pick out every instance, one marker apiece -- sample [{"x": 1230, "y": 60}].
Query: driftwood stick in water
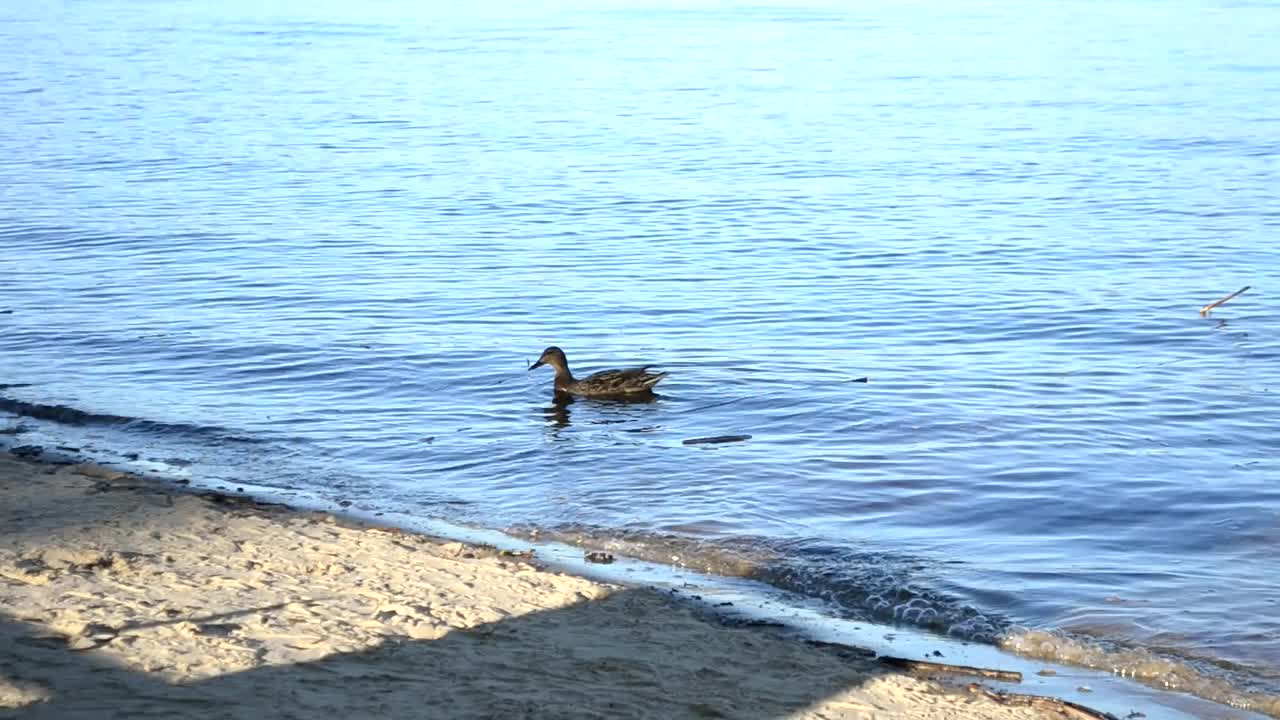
[
  {"x": 1205, "y": 310},
  {"x": 1064, "y": 708},
  {"x": 716, "y": 439},
  {"x": 925, "y": 666}
]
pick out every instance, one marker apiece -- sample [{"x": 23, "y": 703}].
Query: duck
[{"x": 617, "y": 384}]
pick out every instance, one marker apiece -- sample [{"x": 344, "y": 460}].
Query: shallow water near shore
[{"x": 313, "y": 249}]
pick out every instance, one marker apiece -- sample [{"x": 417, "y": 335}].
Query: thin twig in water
[
  {"x": 925, "y": 666},
  {"x": 716, "y": 439},
  {"x": 1205, "y": 310}
]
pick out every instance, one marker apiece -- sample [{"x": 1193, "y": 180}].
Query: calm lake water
[{"x": 313, "y": 246}]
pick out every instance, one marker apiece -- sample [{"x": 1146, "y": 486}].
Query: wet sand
[{"x": 125, "y": 597}]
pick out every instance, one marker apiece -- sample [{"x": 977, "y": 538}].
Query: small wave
[
  {"x": 895, "y": 589},
  {"x": 859, "y": 585},
  {"x": 883, "y": 588},
  {"x": 1144, "y": 666},
  {"x": 67, "y": 415}
]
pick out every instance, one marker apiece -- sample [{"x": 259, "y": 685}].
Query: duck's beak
[{"x": 536, "y": 365}]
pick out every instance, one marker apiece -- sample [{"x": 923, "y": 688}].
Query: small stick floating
[
  {"x": 1205, "y": 310},
  {"x": 716, "y": 439},
  {"x": 925, "y": 666}
]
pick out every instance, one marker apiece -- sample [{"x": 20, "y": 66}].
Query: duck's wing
[{"x": 621, "y": 382}]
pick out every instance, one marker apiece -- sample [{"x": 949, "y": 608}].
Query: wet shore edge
[{"x": 123, "y": 595}]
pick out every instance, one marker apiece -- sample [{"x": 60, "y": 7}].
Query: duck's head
[{"x": 552, "y": 356}]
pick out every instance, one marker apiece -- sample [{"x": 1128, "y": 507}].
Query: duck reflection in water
[{"x": 558, "y": 412}]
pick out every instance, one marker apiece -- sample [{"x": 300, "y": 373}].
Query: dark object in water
[
  {"x": 1060, "y": 707},
  {"x": 926, "y": 666},
  {"x": 27, "y": 451},
  {"x": 716, "y": 439},
  {"x": 752, "y": 622},
  {"x": 1205, "y": 310},
  {"x": 614, "y": 384},
  {"x": 601, "y": 558},
  {"x": 848, "y": 652}
]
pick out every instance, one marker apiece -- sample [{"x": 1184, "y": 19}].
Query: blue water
[{"x": 313, "y": 247}]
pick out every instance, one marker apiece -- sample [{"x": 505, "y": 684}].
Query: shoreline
[
  {"x": 125, "y": 595},
  {"x": 1116, "y": 679}
]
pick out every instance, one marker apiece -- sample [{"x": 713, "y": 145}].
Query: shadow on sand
[
  {"x": 634, "y": 653},
  {"x": 522, "y": 667}
]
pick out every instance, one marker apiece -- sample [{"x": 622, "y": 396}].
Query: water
[{"x": 313, "y": 246}]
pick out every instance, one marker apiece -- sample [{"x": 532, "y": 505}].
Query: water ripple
[{"x": 260, "y": 229}]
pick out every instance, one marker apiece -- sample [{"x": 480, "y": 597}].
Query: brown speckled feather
[{"x": 615, "y": 382}]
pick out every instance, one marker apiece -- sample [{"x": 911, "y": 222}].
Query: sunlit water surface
[{"x": 313, "y": 246}]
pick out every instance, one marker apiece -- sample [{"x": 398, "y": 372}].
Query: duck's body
[
  {"x": 621, "y": 384},
  {"x": 611, "y": 383}
]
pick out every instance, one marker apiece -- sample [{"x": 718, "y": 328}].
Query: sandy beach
[{"x": 125, "y": 597}]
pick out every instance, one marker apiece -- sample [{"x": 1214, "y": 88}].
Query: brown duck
[{"x": 630, "y": 383}]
